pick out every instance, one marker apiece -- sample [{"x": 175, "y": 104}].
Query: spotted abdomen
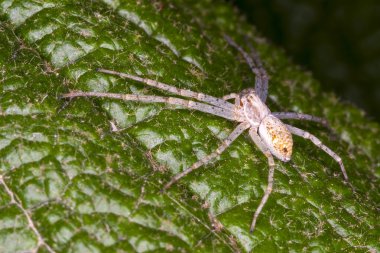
[{"x": 276, "y": 137}]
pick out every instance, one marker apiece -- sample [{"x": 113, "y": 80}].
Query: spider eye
[{"x": 285, "y": 150}]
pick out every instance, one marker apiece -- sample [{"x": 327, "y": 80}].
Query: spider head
[
  {"x": 276, "y": 137},
  {"x": 253, "y": 108}
]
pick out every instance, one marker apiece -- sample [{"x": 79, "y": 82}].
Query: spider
[{"x": 267, "y": 131}]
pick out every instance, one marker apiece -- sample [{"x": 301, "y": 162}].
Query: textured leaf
[{"x": 84, "y": 176}]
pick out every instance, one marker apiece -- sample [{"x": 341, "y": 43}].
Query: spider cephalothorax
[
  {"x": 268, "y": 132},
  {"x": 253, "y": 108}
]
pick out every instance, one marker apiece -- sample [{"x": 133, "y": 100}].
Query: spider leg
[
  {"x": 226, "y": 142},
  {"x": 233, "y": 96},
  {"x": 227, "y": 114},
  {"x": 262, "y": 78},
  {"x": 230, "y": 96},
  {"x": 319, "y": 144},
  {"x": 257, "y": 140},
  {"x": 301, "y": 116},
  {"x": 172, "y": 89},
  {"x": 254, "y": 62}
]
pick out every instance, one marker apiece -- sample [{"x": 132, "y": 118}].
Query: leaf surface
[{"x": 84, "y": 175}]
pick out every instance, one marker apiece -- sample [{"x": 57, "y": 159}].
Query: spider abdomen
[{"x": 277, "y": 137}]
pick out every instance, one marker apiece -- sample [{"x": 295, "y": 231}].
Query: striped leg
[
  {"x": 172, "y": 89},
  {"x": 257, "y": 140},
  {"x": 262, "y": 78},
  {"x": 319, "y": 144},
  {"x": 214, "y": 110},
  {"x": 227, "y": 142},
  {"x": 300, "y": 116},
  {"x": 254, "y": 62}
]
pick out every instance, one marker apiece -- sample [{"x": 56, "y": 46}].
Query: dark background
[{"x": 339, "y": 41}]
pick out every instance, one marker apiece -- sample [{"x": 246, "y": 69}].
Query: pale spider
[{"x": 268, "y": 132}]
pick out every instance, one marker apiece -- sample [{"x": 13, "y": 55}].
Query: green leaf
[{"x": 84, "y": 175}]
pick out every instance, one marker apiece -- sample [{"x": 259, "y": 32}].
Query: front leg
[{"x": 261, "y": 79}]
